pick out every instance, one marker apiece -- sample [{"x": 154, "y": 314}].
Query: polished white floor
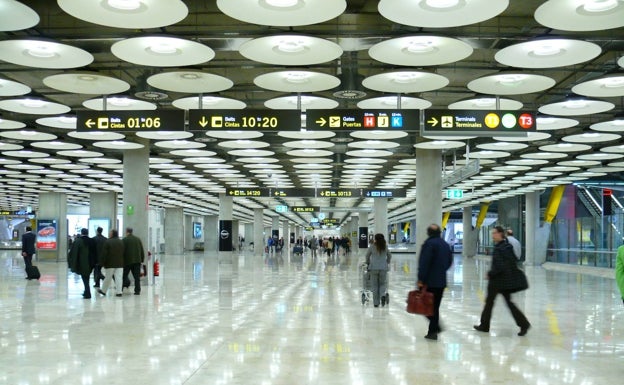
[{"x": 206, "y": 322}]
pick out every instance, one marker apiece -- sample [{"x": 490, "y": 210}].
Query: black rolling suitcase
[{"x": 33, "y": 272}]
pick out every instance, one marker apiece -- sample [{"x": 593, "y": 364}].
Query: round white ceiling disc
[
  {"x": 373, "y": 144},
  {"x": 165, "y": 135},
  {"x": 576, "y": 107},
  {"x": 378, "y": 134},
  {"x": 564, "y": 147},
  {"x": 615, "y": 125},
  {"x": 308, "y": 144},
  {"x": 179, "y": 144},
  {"x": 369, "y": 153},
  {"x": 27, "y": 135},
  {"x": 607, "y": 86},
  {"x": 591, "y": 137},
  {"x": 547, "y": 123},
  {"x": 290, "y": 50},
  {"x": 284, "y": 13},
  {"x": 600, "y": 156},
  {"x": 192, "y": 82},
  {"x": 547, "y": 53},
  {"x": 502, "y": 146},
  {"x": 488, "y": 154},
  {"x": 253, "y": 152},
  {"x": 440, "y": 145},
  {"x": 118, "y": 145},
  {"x": 309, "y": 153},
  {"x": 9, "y": 147},
  {"x": 405, "y": 82},
  {"x": 25, "y": 154},
  {"x": 15, "y": 16},
  {"x": 621, "y": 62},
  {"x": 511, "y": 83},
  {"x": 617, "y": 149},
  {"x": 305, "y": 134},
  {"x": 118, "y": 103},
  {"x": 530, "y": 137},
  {"x": 97, "y": 135},
  {"x": 241, "y": 144},
  {"x": 209, "y": 103},
  {"x": 440, "y": 13},
  {"x": 581, "y": 15},
  {"x": 297, "y": 81},
  {"x": 391, "y": 102},
  {"x": 86, "y": 83},
  {"x": 162, "y": 51},
  {"x": 307, "y": 103},
  {"x": 544, "y": 154},
  {"x": 10, "y": 124},
  {"x": 33, "y": 106},
  {"x": 43, "y": 54},
  {"x": 80, "y": 153},
  {"x": 132, "y": 14},
  {"x": 238, "y": 134},
  {"x": 65, "y": 122},
  {"x": 579, "y": 163},
  {"x": 12, "y": 88},
  {"x": 485, "y": 103},
  {"x": 419, "y": 50}
]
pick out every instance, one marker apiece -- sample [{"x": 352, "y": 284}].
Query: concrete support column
[
  {"x": 187, "y": 233},
  {"x": 136, "y": 191},
  {"x": 428, "y": 192},
  {"x": 174, "y": 231},
  {"x": 469, "y": 243},
  {"x": 286, "y": 235},
  {"x": 53, "y": 206},
  {"x": 211, "y": 234},
  {"x": 258, "y": 238},
  {"x": 249, "y": 235},
  {"x": 235, "y": 235},
  {"x": 226, "y": 209},
  {"x": 103, "y": 206},
  {"x": 532, "y": 228},
  {"x": 381, "y": 216}
]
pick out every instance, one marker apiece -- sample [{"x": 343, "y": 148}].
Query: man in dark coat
[
  {"x": 134, "y": 255},
  {"x": 28, "y": 247},
  {"x": 113, "y": 262},
  {"x": 435, "y": 259},
  {"x": 99, "y": 241},
  {"x": 82, "y": 259},
  {"x": 504, "y": 280}
]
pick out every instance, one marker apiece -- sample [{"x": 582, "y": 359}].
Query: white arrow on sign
[{"x": 89, "y": 123}]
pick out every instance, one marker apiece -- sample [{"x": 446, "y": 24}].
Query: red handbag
[{"x": 420, "y": 302}]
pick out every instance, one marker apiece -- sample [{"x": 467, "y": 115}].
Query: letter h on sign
[{"x": 369, "y": 121}]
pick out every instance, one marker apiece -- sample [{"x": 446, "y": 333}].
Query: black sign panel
[
  {"x": 343, "y": 119},
  {"x": 339, "y": 193},
  {"x": 292, "y": 192},
  {"x": 305, "y": 209},
  {"x": 363, "y": 237},
  {"x": 258, "y": 120},
  {"x": 292, "y": 238},
  {"x": 225, "y": 235},
  {"x": 308, "y": 228},
  {"x": 384, "y": 193},
  {"x": 130, "y": 121},
  {"x": 248, "y": 192},
  {"x": 479, "y": 122},
  {"x": 330, "y": 221},
  {"x": 275, "y": 234}
]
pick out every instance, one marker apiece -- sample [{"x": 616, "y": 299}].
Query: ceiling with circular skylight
[{"x": 562, "y": 60}]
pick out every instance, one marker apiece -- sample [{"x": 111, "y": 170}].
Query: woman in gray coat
[{"x": 378, "y": 258}]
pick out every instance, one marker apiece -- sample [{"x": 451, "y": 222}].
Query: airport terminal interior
[{"x": 212, "y": 126}]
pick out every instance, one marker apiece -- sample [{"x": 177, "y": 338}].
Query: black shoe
[
  {"x": 96, "y": 286},
  {"x": 137, "y": 293},
  {"x": 383, "y": 301},
  {"x": 101, "y": 292},
  {"x": 480, "y": 328},
  {"x": 433, "y": 337},
  {"x": 524, "y": 330},
  {"x": 87, "y": 296},
  {"x": 118, "y": 295},
  {"x": 376, "y": 305}
]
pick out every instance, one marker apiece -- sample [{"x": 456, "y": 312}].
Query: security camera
[{"x": 270, "y": 175}]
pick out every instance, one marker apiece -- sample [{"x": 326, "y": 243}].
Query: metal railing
[{"x": 582, "y": 257}]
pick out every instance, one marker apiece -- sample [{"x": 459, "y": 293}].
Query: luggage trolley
[
  {"x": 365, "y": 293},
  {"x": 298, "y": 253}
]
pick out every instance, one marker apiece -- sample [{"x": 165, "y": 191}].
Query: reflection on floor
[{"x": 255, "y": 322}]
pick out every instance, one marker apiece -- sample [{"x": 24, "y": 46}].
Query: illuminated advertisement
[{"x": 47, "y": 234}]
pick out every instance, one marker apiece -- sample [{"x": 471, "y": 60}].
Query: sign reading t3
[{"x": 478, "y": 122}]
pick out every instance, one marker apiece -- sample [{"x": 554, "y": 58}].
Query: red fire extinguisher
[{"x": 156, "y": 268}]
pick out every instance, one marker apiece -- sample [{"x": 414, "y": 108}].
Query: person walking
[
  {"x": 28, "y": 248},
  {"x": 133, "y": 255},
  {"x": 113, "y": 261},
  {"x": 515, "y": 243},
  {"x": 378, "y": 259},
  {"x": 504, "y": 278},
  {"x": 435, "y": 259},
  {"x": 82, "y": 259},
  {"x": 99, "y": 241},
  {"x": 619, "y": 270},
  {"x": 314, "y": 245}
]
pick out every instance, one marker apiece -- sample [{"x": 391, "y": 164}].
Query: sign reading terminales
[{"x": 478, "y": 122}]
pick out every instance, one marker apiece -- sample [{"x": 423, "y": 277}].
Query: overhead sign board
[
  {"x": 339, "y": 193},
  {"x": 293, "y": 192},
  {"x": 357, "y": 119},
  {"x": 248, "y": 192},
  {"x": 384, "y": 193},
  {"x": 454, "y": 194},
  {"x": 305, "y": 209},
  {"x": 281, "y": 209},
  {"x": 246, "y": 119},
  {"x": 478, "y": 122},
  {"x": 331, "y": 221},
  {"x": 308, "y": 228},
  {"x": 130, "y": 121}
]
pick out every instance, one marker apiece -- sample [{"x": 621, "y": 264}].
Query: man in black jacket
[
  {"x": 28, "y": 247},
  {"x": 504, "y": 281},
  {"x": 435, "y": 259},
  {"x": 99, "y": 241}
]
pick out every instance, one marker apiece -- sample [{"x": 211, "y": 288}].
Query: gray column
[
  {"x": 286, "y": 232},
  {"x": 469, "y": 243},
  {"x": 174, "y": 231},
  {"x": 428, "y": 192},
  {"x": 249, "y": 235},
  {"x": 532, "y": 226},
  {"x": 187, "y": 233},
  {"x": 258, "y": 238},
  {"x": 235, "y": 235},
  {"x": 381, "y": 216},
  {"x": 104, "y": 206},
  {"x": 211, "y": 230},
  {"x": 226, "y": 204},
  {"x": 136, "y": 190},
  {"x": 53, "y": 206}
]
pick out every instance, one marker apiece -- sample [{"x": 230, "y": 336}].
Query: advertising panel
[{"x": 47, "y": 234}]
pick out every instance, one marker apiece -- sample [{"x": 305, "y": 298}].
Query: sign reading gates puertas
[
  {"x": 47, "y": 234},
  {"x": 478, "y": 122},
  {"x": 357, "y": 119}
]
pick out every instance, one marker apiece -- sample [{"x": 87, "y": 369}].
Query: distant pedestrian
[
  {"x": 517, "y": 247},
  {"x": 99, "y": 241},
  {"x": 435, "y": 259},
  {"x": 504, "y": 278},
  {"x": 82, "y": 259},
  {"x": 378, "y": 259},
  {"x": 28, "y": 247},
  {"x": 113, "y": 261},
  {"x": 134, "y": 256},
  {"x": 619, "y": 270}
]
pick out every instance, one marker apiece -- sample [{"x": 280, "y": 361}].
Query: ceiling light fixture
[
  {"x": 546, "y": 48},
  {"x": 596, "y": 6},
  {"x": 420, "y": 46},
  {"x": 33, "y": 103},
  {"x": 190, "y": 76},
  {"x": 614, "y": 82},
  {"x": 125, "y": 5},
  {"x": 575, "y": 104},
  {"x": 163, "y": 48},
  {"x": 484, "y": 102},
  {"x": 511, "y": 80},
  {"x": 442, "y": 4},
  {"x": 546, "y": 121},
  {"x": 42, "y": 50},
  {"x": 297, "y": 77},
  {"x": 87, "y": 78},
  {"x": 120, "y": 102},
  {"x": 405, "y": 77},
  {"x": 282, "y": 3},
  {"x": 291, "y": 46}
]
